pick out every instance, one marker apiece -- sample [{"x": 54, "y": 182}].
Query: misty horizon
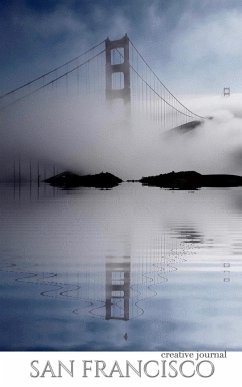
[{"x": 87, "y": 140}]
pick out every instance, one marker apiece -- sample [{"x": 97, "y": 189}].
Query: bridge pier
[{"x": 124, "y": 68}]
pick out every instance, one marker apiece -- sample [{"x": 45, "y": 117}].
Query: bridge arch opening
[
  {"x": 118, "y": 81},
  {"x": 117, "y": 56}
]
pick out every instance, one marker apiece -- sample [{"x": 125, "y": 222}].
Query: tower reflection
[{"x": 117, "y": 288}]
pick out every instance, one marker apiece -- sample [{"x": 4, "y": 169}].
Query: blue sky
[{"x": 194, "y": 46}]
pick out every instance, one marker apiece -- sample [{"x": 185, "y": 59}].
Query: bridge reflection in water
[
  {"x": 119, "y": 288},
  {"x": 90, "y": 269}
]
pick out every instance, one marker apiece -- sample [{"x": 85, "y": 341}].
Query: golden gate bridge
[{"x": 110, "y": 70}]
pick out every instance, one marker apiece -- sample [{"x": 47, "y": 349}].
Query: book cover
[{"x": 120, "y": 192}]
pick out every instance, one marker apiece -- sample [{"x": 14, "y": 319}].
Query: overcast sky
[{"x": 194, "y": 46}]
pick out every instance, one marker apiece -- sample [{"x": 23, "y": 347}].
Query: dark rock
[
  {"x": 222, "y": 181},
  {"x": 191, "y": 180},
  {"x": 70, "y": 180}
]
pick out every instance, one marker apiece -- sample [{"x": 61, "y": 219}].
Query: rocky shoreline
[
  {"x": 191, "y": 180},
  {"x": 173, "y": 180}
]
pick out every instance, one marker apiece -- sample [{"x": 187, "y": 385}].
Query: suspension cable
[
  {"x": 158, "y": 95},
  {"x": 51, "y": 71},
  {"x": 53, "y": 80},
  {"x": 194, "y": 114}
]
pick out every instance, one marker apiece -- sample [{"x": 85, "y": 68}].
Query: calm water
[{"x": 133, "y": 268}]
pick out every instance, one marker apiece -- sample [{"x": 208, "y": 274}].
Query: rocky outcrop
[
  {"x": 191, "y": 180},
  {"x": 70, "y": 180}
]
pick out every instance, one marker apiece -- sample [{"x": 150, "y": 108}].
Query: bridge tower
[
  {"x": 123, "y": 67},
  {"x": 226, "y": 91}
]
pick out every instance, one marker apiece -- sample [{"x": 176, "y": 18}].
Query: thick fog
[{"x": 87, "y": 136}]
